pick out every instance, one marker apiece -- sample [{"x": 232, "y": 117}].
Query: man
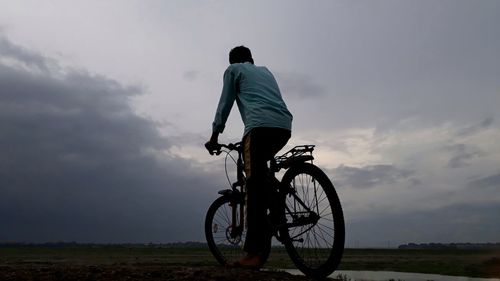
[{"x": 268, "y": 126}]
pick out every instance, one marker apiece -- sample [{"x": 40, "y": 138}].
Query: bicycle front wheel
[
  {"x": 315, "y": 232},
  {"x": 223, "y": 231}
]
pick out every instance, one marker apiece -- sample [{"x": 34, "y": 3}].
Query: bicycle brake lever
[{"x": 217, "y": 150}]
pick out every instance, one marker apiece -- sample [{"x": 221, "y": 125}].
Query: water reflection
[{"x": 391, "y": 275}]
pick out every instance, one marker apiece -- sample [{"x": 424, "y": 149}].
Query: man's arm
[{"x": 226, "y": 101}]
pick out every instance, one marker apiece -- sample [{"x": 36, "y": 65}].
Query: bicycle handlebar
[
  {"x": 217, "y": 149},
  {"x": 231, "y": 146}
]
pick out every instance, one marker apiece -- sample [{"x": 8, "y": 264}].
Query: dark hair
[{"x": 240, "y": 54}]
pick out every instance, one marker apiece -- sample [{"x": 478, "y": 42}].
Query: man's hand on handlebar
[{"x": 213, "y": 145}]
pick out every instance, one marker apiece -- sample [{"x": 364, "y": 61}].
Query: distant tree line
[
  {"x": 194, "y": 244},
  {"x": 443, "y": 246}
]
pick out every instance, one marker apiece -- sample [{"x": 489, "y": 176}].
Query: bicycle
[{"x": 310, "y": 220}]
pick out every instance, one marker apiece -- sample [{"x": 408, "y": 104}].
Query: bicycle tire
[
  {"x": 217, "y": 226},
  {"x": 321, "y": 249}
]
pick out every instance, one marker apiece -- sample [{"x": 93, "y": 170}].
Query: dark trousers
[{"x": 260, "y": 146}]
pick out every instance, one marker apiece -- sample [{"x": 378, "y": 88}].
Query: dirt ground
[
  {"x": 50, "y": 272},
  {"x": 157, "y": 263}
]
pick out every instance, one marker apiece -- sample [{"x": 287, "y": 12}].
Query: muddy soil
[{"x": 44, "y": 272}]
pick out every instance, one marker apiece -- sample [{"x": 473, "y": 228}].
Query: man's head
[{"x": 240, "y": 54}]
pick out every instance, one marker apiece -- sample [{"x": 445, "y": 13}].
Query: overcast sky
[{"x": 105, "y": 105}]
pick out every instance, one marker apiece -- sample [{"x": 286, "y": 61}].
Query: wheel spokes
[{"x": 314, "y": 241}]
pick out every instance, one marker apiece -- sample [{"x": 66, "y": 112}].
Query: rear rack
[{"x": 300, "y": 153}]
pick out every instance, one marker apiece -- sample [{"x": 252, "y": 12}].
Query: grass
[{"x": 472, "y": 263}]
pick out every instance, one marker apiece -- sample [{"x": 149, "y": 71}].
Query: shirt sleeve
[{"x": 226, "y": 101}]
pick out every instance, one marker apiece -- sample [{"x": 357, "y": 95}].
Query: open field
[{"x": 474, "y": 263}]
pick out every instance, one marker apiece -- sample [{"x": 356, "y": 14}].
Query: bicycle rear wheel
[{"x": 315, "y": 235}]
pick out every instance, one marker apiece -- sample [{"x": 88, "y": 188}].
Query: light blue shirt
[{"x": 258, "y": 97}]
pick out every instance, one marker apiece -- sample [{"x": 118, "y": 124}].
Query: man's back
[{"x": 258, "y": 97}]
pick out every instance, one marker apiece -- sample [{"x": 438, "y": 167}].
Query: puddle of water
[{"x": 391, "y": 275}]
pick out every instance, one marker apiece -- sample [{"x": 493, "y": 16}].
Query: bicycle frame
[{"x": 299, "y": 218}]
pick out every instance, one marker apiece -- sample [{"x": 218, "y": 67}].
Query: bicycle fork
[{"x": 237, "y": 222}]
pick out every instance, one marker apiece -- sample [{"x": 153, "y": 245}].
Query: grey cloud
[
  {"x": 370, "y": 176},
  {"x": 455, "y": 223},
  {"x": 7, "y": 49},
  {"x": 473, "y": 129},
  {"x": 487, "y": 122},
  {"x": 191, "y": 75},
  {"x": 78, "y": 164},
  {"x": 492, "y": 182},
  {"x": 385, "y": 64},
  {"x": 299, "y": 85},
  {"x": 461, "y": 155}
]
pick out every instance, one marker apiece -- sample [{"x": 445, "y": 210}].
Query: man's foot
[{"x": 249, "y": 261}]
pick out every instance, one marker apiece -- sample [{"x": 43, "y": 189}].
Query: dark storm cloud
[
  {"x": 370, "y": 176},
  {"x": 7, "y": 49},
  {"x": 78, "y": 164},
  {"x": 299, "y": 85}
]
